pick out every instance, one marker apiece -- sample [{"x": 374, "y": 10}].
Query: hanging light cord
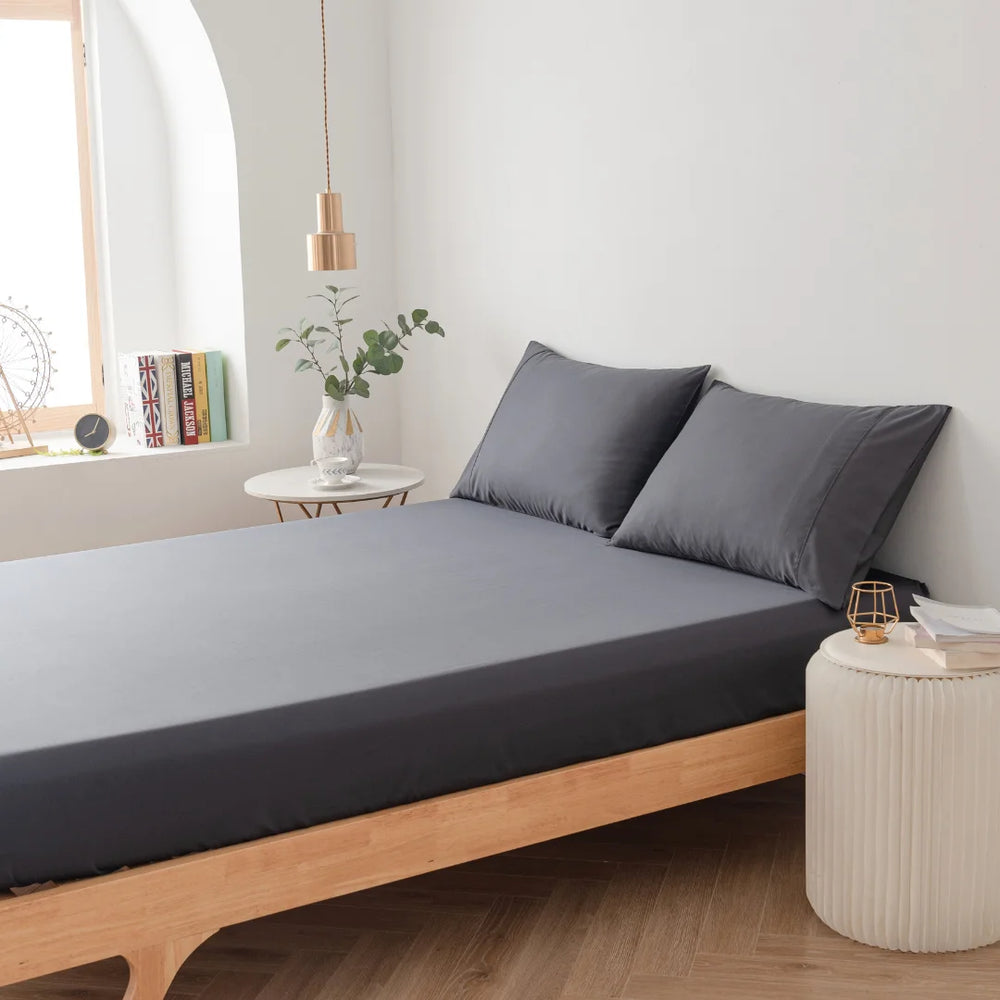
[{"x": 326, "y": 118}]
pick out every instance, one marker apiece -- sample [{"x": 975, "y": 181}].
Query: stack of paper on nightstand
[{"x": 956, "y": 636}]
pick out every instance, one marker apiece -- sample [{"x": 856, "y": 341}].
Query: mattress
[{"x": 180, "y": 695}]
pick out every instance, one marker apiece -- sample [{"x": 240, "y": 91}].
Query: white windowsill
[{"x": 58, "y": 441}]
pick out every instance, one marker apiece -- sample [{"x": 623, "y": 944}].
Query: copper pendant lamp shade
[{"x": 330, "y": 249}]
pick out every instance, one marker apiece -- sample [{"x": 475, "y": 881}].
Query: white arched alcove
[
  {"x": 168, "y": 193},
  {"x": 183, "y": 91}
]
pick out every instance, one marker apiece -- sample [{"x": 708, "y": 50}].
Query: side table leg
[
  {"x": 319, "y": 507},
  {"x": 402, "y": 499},
  {"x": 336, "y": 507},
  {"x": 305, "y": 510},
  {"x": 277, "y": 507}
]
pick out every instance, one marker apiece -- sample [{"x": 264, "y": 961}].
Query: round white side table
[
  {"x": 902, "y": 797},
  {"x": 298, "y": 486}
]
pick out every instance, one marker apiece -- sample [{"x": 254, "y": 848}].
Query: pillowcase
[
  {"x": 801, "y": 493},
  {"x": 574, "y": 442}
]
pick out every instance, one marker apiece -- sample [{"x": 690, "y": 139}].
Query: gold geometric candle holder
[{"x": 872, "y": 611}]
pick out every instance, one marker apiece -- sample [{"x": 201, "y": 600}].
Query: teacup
[{"x": 331, "y": 470}]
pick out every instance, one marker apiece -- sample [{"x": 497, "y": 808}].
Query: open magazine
[{"x": 956, "y": 622}]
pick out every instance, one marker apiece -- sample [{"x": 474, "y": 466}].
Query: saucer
[{"x": 342, "y": 483}]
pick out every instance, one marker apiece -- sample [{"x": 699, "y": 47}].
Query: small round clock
[{"x": 94, "y": 432}]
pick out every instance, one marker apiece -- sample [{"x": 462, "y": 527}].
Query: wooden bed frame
[{"x": 156, "y": 915}]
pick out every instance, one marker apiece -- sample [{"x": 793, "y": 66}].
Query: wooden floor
[{"x": 703, "y": 901}]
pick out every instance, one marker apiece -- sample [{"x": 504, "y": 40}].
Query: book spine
[
  {"x": 216, "y": 396},
  {"x": 185, "y": 395},
  {"x": 152, "y": 417},
  {"x": 201, "y": 397},
  {"x": 131, "y": 398},
  {"x": 166, "y": 371}
]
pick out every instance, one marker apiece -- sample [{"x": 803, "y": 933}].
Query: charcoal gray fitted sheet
[{"x": 174, "y": 696}]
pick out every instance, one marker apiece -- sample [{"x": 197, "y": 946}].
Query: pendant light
[{"x": 331, "y": 249}]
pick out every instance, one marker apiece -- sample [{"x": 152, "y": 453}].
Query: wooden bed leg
[{"x": 152, "y": 970}]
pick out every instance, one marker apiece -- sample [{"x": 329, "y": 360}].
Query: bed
[{"x": 281, "y": 714}]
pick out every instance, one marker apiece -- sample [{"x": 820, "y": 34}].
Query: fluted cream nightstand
[{"x": 902, "y": 797}]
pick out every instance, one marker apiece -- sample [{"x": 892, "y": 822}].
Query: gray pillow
[
  {"x": 801, "y": 493},
  {"x": 574, "y": 442}
]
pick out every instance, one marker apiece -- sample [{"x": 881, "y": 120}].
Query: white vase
[{"x": 338, "y": 434}]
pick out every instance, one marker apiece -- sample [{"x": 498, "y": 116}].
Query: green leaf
[
  {"x": 302, "y": 364},
  {"x": 370, "y": 337},
  {"x": 332, "y": 288},
  {"x": 390, "y": 341},
  {"x": 374, "y": 353},
  {"x": 359, "y": 362},
  {"x": 419, "y": 315},
  {"x": 344, "y": 364},
  {"x": 401, "y": 320},
  {"x": 361, "y": 383},
  {"x": 434, "y": 327},
  {"x": 282, "y": 344},
  {"x": 396, "y": 362},
  {"x": 332, "y": 388},
  {"x": 315, "y": 342},
  {"x": 323, "y": 329},
  {"x": 361, "y": 390},
  {"x": 306, "y": 333},
  {"x": 348, "y": 301}
]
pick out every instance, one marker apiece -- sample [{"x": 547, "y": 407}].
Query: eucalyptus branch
[
  {"x": 379, "y": 355},
  {"x": 312, "y": 354}
]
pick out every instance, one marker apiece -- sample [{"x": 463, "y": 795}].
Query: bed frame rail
[{"x": 156, "y": 915}]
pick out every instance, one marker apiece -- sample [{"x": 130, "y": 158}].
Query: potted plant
[{"x": 337, "y": 433}]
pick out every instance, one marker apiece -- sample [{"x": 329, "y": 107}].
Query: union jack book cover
[
  {"x": 141, "y": 399},
  {"x": 149, "y": 388}
]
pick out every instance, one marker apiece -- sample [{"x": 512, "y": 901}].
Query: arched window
[
  {"x": 48, "y": 251},
  {"x": 120, "y": 227}
]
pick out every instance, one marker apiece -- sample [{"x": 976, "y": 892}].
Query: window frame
[{"x": 58, "y": 418}]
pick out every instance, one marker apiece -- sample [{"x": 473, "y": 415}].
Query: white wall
[
  {"x": 804, "y": 194},
  {"x": 268, "y": 55},
  {"x": 132, "y": 141},
  {"x": 173, "y": 149}
]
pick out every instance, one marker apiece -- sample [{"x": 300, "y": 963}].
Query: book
[
  {"x": 130, "y": 399},
  {"x": 201, "y": 396},
  {"x": 152, "y": 414},
  {"x": 954, "y": 659},
  {"x": 916, "y": 635},
  {"x": 960, "y": 619},
  {"x": 944, "y": 631},
  {"x": 216, "y": 396},
  {"x": 185, "y": 397},
  {"x": 140, "y": 389},
  {"x": 166, "y": 372}
]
